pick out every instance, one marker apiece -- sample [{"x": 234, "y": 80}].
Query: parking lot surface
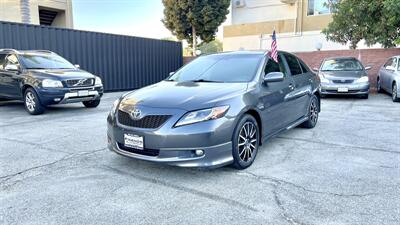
[{"x": 55, "y": 169}]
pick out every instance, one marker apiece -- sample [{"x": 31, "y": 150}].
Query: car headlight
[
  {"x": 363, "y": 79},
  {"x": 323, "y": 79},
  {"x": 98, "y": 81},
  {"x": 202, "y": 115},
  {"x": 48, "y": 83},
  {"x": 114, "y": 107}
]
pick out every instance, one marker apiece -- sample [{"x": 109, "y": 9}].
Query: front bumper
[
  {"x": 353, "y": 89},
  {"x": 51, "y": 96},
  {"x": 177, "y": 146}
]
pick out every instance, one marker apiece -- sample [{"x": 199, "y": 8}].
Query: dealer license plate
[
  {"x": 133, "y": 141},
  {"x": 341, "y": 89}
]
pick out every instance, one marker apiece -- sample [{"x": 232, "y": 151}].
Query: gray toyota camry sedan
[
  {"x": 217, "y": 110},
  {"x": 343, "y": 76}
]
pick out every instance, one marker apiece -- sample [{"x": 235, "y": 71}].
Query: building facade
[
  {"x": 57, "y": 13},
  {"x": 298, "y": 24}
]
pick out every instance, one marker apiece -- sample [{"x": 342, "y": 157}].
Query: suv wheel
[
  {"x": 32, "y": 102},
  {"x": 91, "y": 104},
  {"x": 395, "y": 95},
  {"x": 245, "y": 142},
  {"x": 313, "y": 111}
]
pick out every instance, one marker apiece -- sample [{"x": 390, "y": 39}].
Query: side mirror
[
  {"x": 171, "y": 73},
  {"x": 315, "y": 69},
  {"x": 273, "y": 77},
  {"x": 11, "y": 67},
  {"x": 77, "y": 66},
  {"x": 368, "y": 67}
]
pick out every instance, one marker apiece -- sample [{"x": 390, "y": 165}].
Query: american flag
[{"x": 274, "y": 48}]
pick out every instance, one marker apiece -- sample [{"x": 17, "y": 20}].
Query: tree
[
  {"x": 190, "y": 19},
  {"x": 211, "y": 47},
  {"x": 375, "y": 21}
]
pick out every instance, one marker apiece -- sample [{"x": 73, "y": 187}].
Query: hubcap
[
  {"x": 313, "y": 112},
  {"x": 394, "y": 93},
  {"x": 247, "y": 141},
  {"x": 30, "y": 101}
]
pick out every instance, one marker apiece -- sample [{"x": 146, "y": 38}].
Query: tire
[
  {"x": 91, "y": 104},
  {"x": 245, "y": 142},
  {"x": 395, "y": 95},
  {"x": 313, "y": 111},
  {"x": 378, "y": 86},
  {"x": 32, "y": 102}
]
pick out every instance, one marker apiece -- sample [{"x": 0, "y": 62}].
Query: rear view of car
[
  {"x": 41, "y": 78},
  {"x": 344, "y": 76}
]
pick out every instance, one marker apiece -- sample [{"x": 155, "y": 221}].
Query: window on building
[{"x": 319, "y": 7}]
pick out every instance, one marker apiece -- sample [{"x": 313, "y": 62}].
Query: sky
[{"x": 129, "y": 17}]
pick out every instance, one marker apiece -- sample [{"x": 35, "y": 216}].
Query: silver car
[
  {"x": 343, "y": 76},
  {"x": 215, "y": 111},
  {"x": 389, "y": 78}
]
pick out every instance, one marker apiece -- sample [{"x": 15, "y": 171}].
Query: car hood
[
  {"x": 62, "y": 74},
  {"x": 338, "y": 75},
  {"x": 185, "y": 95}
]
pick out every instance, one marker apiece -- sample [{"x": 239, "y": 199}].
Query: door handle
[{"x": 291, "y": 86}]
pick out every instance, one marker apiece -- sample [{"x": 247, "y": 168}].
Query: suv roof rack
[{"x": 8, "y": 50}]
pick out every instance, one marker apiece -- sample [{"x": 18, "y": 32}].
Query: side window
[
  {"x": 272, "y": 66},
  {"x": 398, "y": 64},
  {"x": 11, "y": 60},
  {"x": 294, "y": 65},
  {"x": 2, "y": 61},
  {"x": 304, "y": 67},
  {"x": 389, "y": 63}
]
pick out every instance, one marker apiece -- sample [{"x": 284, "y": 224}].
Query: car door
[
  {"x": 10, "y": 79},
  {"x": 388, "y": 72},
  {"x": 274, "y": 99},
  {"x": 302, "y": 79}
]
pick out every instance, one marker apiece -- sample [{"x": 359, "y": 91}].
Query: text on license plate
[
  {"x": 341, "y": 89},
  {"x": 133, "y": 141}
]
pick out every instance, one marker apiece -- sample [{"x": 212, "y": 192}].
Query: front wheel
[
  {"x": 378, "y": 86},
  {"x": 313, "y": 111},
  {"x": 91, "y": 104},
  {"x": 32, "y": 102},
  {"x": 245, "y": 142},
  {"x": 395, "y": 95}
]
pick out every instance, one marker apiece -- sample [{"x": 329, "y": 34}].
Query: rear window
[{"x": 220, "y": 68}]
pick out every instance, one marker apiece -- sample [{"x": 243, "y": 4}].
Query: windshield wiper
[{"x": 203, "y": 80}]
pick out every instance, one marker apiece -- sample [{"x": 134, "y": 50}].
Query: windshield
[
  {"x": 45, "y": 61},
  {"x": 342, "y": 65},
  {"x": 219, "y": 68}
]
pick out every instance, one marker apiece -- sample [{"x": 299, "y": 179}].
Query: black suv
[{"x": 41, "y": 78}]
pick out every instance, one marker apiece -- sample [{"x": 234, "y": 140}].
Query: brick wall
[{"x": 369, "y": 57}]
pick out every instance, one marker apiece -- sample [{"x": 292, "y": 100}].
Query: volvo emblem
[
  {"x": 80, "y": 82},
  {"x": 136, "y": 113}
]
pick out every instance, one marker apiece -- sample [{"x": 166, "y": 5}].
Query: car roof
[
  {"x": 9, "y": 51},
  {"x": 245, "y": 52}
]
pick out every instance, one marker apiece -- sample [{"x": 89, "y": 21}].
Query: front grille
[
  {"x": 146, "y": 151},
  {"x": 80, "y": 82},
  {"x": 150, "y": 122},
  {"x": 342, "y": 81}
]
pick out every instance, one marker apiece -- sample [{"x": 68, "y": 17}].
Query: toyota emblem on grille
[
  {"x": 80, "y": 82},
  {"x": 136, "y": 113}
]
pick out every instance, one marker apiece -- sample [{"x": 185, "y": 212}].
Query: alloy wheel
[
  {"x": 247, "y": 141},
  {"x": 313, "y": 111},
  {"x": 30, "y": 101}
]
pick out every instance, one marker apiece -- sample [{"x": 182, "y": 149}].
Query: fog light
[
  {"x": 199, "y": 152},
  {"x": 57, "y": 99}
]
